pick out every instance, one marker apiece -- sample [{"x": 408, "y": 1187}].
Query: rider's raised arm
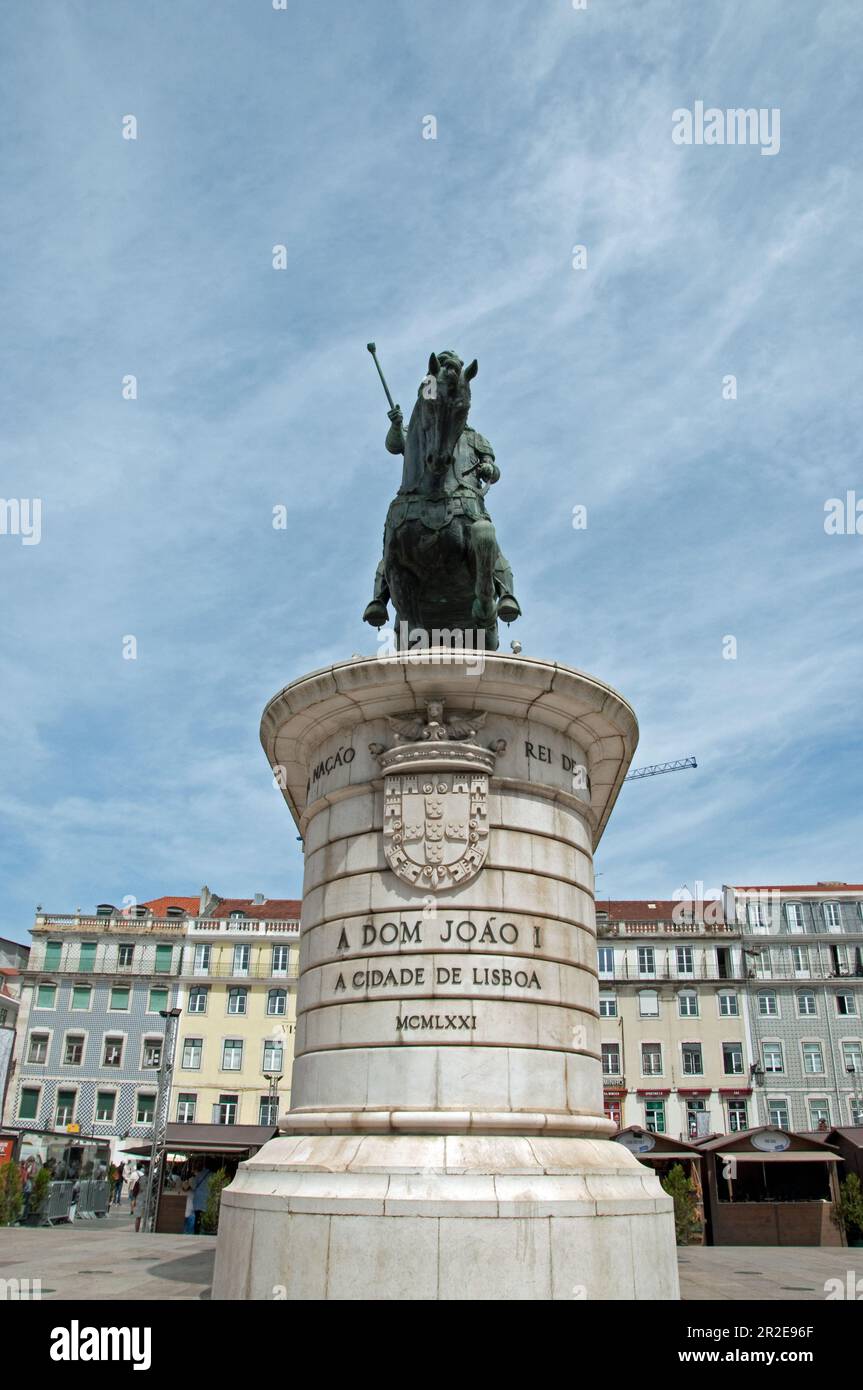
[{"x": 395, "y": 440}]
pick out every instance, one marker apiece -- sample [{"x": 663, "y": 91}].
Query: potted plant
[
  {"x": 682, "y": 1191},
  {"x": 848, "y": 1211},
  {"x": 11, "y": 1194},
  {"x": 210, "y": 1219}
]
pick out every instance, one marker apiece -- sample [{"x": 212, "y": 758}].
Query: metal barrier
[
  {"x": 59, "y": 1201},
  {"x": 93, "y": 1198}
]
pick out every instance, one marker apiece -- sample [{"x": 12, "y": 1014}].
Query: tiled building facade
[{"x": 803, "y": 946}]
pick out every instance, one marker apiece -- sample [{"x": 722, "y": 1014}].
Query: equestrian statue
[{"x": 442, "y": 568}]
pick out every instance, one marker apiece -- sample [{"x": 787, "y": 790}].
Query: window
[
  {"x": 281, "y": 960},
  {"x": 832, "y": 914},
  {"x": 794, "y": 916},
  {"x": 846, "y": 1005},
  {"x": 777, "y": 1113},
  {"x": 175, "y": 912},
  {"x": 654, "y": 1116},
  {"x": 237, "y": 1000},
  {"x": 611, "y": 1059},
  {"x": 732, "y": 1058},
  {"x": 697, "y": 1118},
  {"x": 186, "y": 1102},
  {"x": 608, "y": 1006},
  {"x": 164, "y": 959},
  {"x": 768, "y": 1005},
  {"x": 772, "y": 1054},
  {"x": 65, "y": 1112},
  {"x": 651, "y": 1059},
  {"x": 198, "y": 996},
  {"x": 729, "y": 1006},
  {"x": 756, "y": 915},
  {"x": 273, "y": 1056},
  {"x": 693, "y": 1061},
  {"x": 38, "y": 1050},
  {"x": 852, "y": 1057},
  {"x": 113, "y": 1056},
  {"x": 28, "y": 1105},
  {"x": 106, "y": 1104},
  {"x": 225, "y": 1113},
  {"x": 800, "y": 960},
  {"x": 152, "y": 1056},
  {"x": 277, "y": 1001},
  {"x": 125, "y": 956},
  {"x": 202, "y": 960},
  {"x": 648, "y": 1003},
  {"x": 87, "y": 955},
  {"x": 157, "y": 1000},
  {"x": 81, "y": 997},
  {"x": 606, "y": 960},
  {"x": 120, "y": 996},
  {"x": 73, "y": 1053},
  {"x": 806, "y": 1006},
  {"x": 855, "y": 1109},
  {"x": 46, "y": 996},
  {"x": 813, "y": 1059},
  {"x": 232, "y": 1054},
  {"x": 723, "y": 962},
  {"x": 819, "y": 1112},
  {"x": 53, "y": 954},
  {"x": 687, "y": 1003},
  {"x": 684, "y": 960},
  {"x": 145, "y": 1108},
  {"x": 737, "y": 1118},
  {"x": 192, "y": 1052},
  {"x": 242, "y": 956},
  {"x": 268, "y": 1110},
  {"x": 763, "y": 963},
  {"x": 646, "y": 960}
]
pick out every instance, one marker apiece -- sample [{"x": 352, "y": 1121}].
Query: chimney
[{"x": 259, "y": 899}]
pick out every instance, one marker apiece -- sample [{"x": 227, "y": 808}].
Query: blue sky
[{"x": 600, "y": 387}]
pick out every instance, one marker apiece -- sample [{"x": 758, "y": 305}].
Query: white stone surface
[{"x": 447, "y": 1138}]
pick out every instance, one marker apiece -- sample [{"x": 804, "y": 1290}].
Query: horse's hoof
[
  {"x": 376, "y": 613},
  {"x": 508, "y": 609}
]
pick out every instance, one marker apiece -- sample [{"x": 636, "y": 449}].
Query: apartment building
[
  {"x": 803, "y": 948},
  {"x": 95, "y": 993},
  {"x": 673, "y": 1023}
]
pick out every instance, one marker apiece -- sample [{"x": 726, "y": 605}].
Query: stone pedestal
[{"x": 447, "y": 1138}]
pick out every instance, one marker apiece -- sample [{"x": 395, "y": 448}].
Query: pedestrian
[
  {"x": 200, "y": 1192},
  {"x": 189, "y": 1209},
  {"x": 135, "y": 1186},
  {"x": 118, "y": 1182}
]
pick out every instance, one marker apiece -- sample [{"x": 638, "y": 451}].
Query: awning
[
  {"x": 786, "y": 1157},
  {"x": 218, "y": 1139}
]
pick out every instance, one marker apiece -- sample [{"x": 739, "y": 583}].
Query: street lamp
[
  {"x": 272, "y": 1079},
  {"x": 160, "y": 1119}
]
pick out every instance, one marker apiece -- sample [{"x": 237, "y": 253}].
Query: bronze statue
[{"x": 442, "y": 567}]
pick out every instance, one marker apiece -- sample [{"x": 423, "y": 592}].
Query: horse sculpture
[{"x": 442, "y": 567}]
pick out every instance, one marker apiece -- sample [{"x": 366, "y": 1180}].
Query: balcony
[{"x": 198, "y": 973}]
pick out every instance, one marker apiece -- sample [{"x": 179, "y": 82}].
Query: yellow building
[{"x": 237, "y": 996}]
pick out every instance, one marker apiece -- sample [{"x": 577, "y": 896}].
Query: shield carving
[{"x": 435, "y": 826}]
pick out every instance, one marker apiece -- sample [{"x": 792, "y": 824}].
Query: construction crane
[{"x": 656, "y": 768}]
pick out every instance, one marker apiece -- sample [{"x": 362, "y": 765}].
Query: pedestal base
[{"x": 444, "y": 1218}]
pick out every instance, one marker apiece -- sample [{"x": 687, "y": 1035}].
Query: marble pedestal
[{"x": 447, "y": 1138}]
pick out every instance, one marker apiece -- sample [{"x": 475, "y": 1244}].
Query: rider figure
[{"x": 475, "y": 472}]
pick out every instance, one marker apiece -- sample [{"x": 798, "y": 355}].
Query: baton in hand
[{"x": 373, "y": 351}]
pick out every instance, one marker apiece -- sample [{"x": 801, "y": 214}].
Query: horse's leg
[{"x": 483, "y": 542}]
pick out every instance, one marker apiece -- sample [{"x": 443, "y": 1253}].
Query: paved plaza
[{"x": 105, "y": 1260}]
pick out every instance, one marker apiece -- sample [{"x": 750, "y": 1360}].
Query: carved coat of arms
[{"x": 435, "y": 826}]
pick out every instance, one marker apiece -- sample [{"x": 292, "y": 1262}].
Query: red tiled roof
[
  {"x": 276, "y": 909},
  {"x": 159, "y": 906},
  {"x": 649, "y": 909},
  {"x": 797, "y": 887}
]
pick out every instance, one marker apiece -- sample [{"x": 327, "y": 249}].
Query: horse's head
[{"x": 441, "y": 412}]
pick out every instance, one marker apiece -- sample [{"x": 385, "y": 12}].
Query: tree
[
  {"x": 11, "y": 1194},
  {"x": 210, "y": 1219},
  {"x": 39, "y": 1196},
  {"x": 681, "y": 1189},
  {"x": 848, "y": 1211}
]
